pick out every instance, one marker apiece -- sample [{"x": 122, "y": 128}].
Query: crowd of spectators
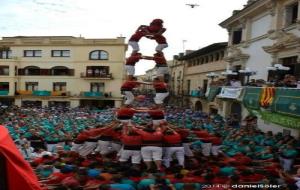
[{"x": 238, "y": 153}]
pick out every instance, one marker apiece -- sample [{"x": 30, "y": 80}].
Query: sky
[{"x": 187, "y": 28}]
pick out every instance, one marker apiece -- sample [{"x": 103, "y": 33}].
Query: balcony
[
  {"x": 4, "y": 92},
  {"x": 55, "y": 71},
  {"x": 60, "y": 93},
  {"x": 87, "y": 76},
  {"x": 89, "y": 94},
  {"x": 92, "y": 94},
  {"x": 42, "y": 93}
]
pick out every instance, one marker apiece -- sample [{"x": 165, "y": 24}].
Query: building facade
[
  {"x": 50, "y": 70},
  {"x": 189, "y": 76},
  {"x": 262, "y": 34}
]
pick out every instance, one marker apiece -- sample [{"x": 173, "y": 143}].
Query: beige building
[
  {"x": 189, "y": 76},
  {"x": 48, "y": 70}
]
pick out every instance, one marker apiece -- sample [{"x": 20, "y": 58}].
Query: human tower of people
[{"x": 150, "y": 142}]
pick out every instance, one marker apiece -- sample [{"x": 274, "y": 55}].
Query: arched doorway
[
  {"x": 236, "y": 109},
  {"x": 198, "y": 106}
]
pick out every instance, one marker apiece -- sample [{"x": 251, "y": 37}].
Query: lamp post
[
  {"x": 247, "y": 72},
  {"x": 212, "y": 76},
  {"x": 228, "y": 73},
  {"x": 278, "y": 68}
]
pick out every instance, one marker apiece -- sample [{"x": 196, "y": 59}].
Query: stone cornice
[
  {"x": 270, "y": 5},
  {"x": 284, "y": 41},
  {"x": 235, "y": 54}
]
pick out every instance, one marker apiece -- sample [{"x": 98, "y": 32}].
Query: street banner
[
  {"x": 251, "y": 98},
  {"x": 279, "y": 119},
  {"x": 230, "y": 92},
  {"x": 213, "y": 92},
  {"x": 287, "y": 102}
]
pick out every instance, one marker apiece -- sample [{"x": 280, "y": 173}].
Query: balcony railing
[
  {"x": 96, "y": 76},
  {"x": 96, "y": 94},
  {"x": 43, "y": 93},
  {"x": 45, "y": 72},
  {"x": 4, "y": 92},
  {"x": 60, "y": 93}
]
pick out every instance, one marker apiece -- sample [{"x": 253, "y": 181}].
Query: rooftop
[{"x": 205, "y": 50}]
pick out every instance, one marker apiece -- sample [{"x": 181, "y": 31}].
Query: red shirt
[
  {"x": 156, "y": 136},
  {"x": 160, "y": 39},
  {"x": 131, "y": 140},
  {"x": 95, "y": 132},
  {"x": 160, "y": 87},
  {"x": 125, "y": 112},
  {"x": 160, "y": 60},
  {"x": 137, "y": 36},
  {"x": 156, "y": 114},
  {"x": 202, "y": 134},
  {"x": 58, "y": 177},
  {"x": 174, "y": 138},
  {"x": 215, "y": 140},
  {"x": 116, "y": 135},
  {"x": 184, "y": 133},
  {"x": 82, "y": 136},
  {"x": 129, "y": 85},
  {"x": 252, "y": 178},
  {"x": 133, "y": 59},
  {"x": 154, "y": 28}
]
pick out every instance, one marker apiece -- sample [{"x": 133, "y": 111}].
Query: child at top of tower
[{"x": 153, "y": 31}]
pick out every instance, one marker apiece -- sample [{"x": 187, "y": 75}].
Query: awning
[
  {"x": 287, "y": 102},
  {"x": 251, "y": 98},
  {"x": 213, "y": 92}
]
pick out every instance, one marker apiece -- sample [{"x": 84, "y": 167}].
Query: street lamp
[
  {"x": 212, "y": 76},
  {"x": 247, "y": 72},
  {"x": 278, "y": 68}
]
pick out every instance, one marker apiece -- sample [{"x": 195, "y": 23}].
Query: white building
[{"x": 264, "y": 33}]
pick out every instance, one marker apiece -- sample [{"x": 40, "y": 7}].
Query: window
[
  {"x": 97, "y": 71},
  {"x": 98, "y": 55},
  {"x": 31, "y": 86},
  {"x": 237, "y": 36},
  {"x": 60, "y": 53},
  {"x": 217, "y": 57},
  {"x": 292, "y": 14},
  {"x": 97, "y": 87},
  {"x": 4, "y": 70},
  {"x": 204, "y": 87},
  {"x": 60, "y": 86},
  {"x": 188, "y": 87},
  {"x": 4, "y": 86},
  {"x": 5, "y": 54},
  {"x": 32, "y": 53},
  {"x": 293, "y": 64}
]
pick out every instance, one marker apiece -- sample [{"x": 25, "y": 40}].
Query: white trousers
[
  {"x": 104, "y": 147},
  {"x": 177, "y": 151},
  {"x": 151, "y": 153},
  {"x": 187, "y": 150},
  {"x": 206, "y": 149},
  {"x": 135, "y": 45},
  {"x": 129, "y": 97},
  {"x": 76, "y": 147},
  {"x": 88, "y": 148},
  {"x": 159, "y": 97},
  {"x": 135, "y": 156}
]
